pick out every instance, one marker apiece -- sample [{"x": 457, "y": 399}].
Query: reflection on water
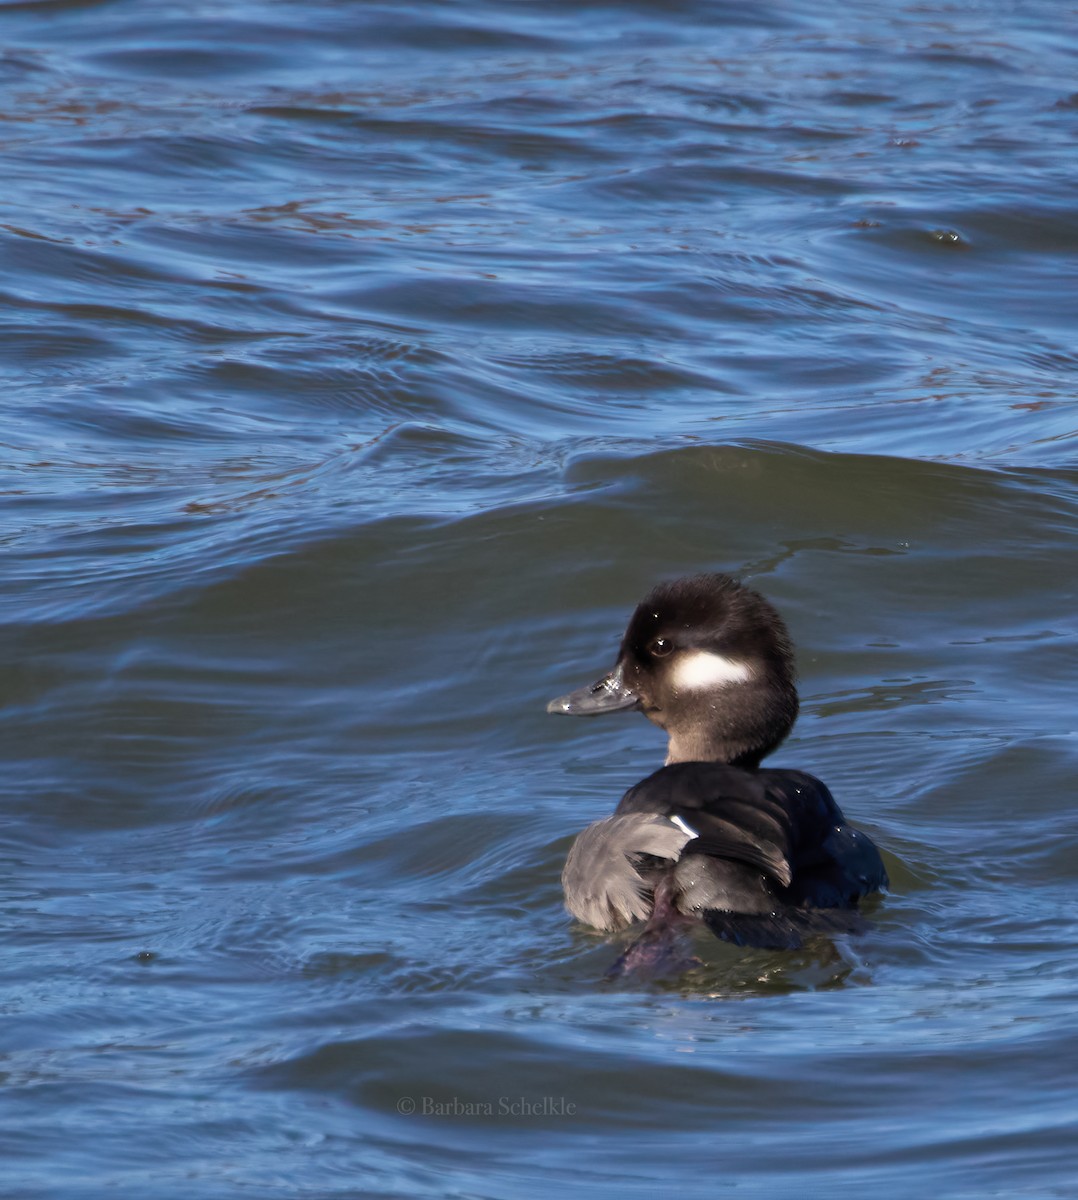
[{"x": 363, "y": 366}]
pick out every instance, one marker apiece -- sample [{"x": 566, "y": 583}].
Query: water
[{"x": 363, "y": 366}]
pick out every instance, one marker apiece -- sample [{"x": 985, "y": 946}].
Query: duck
[{"x": 762, "y": 857}]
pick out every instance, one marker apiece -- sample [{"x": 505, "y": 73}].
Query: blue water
[{"x": 363, "y": 365}]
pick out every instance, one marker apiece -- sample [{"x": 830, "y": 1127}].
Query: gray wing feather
[{"x": 602, "y": 887}]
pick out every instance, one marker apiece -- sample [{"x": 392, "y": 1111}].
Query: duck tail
[{"x": 784, "y": 929}]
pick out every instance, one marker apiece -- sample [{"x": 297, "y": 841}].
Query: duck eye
[{"x": 660, "y": 647}]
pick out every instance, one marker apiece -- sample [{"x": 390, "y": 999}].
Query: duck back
[{"x": 770, "y": 857}]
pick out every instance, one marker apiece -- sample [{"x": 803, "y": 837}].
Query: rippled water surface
[{"x": 363, "y": 364}]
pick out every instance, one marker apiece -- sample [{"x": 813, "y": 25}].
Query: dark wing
[
  {"x": 730, "y": 812},
  {"x": 771, "y": 847},
  {"x": 835, "y": 865}
]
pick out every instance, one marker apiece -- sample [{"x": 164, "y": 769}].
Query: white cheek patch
[{"x": 699, "y": 670}]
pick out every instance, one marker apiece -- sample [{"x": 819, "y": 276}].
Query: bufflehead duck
[{"x": 762, "y": 857}]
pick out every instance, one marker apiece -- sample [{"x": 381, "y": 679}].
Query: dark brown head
[{"x": 710, "y": 662}]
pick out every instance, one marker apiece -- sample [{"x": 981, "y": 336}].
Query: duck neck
[{"x": 704, "y": 746}]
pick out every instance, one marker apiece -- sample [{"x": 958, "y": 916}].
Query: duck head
[{"x": 709, "y": 661}]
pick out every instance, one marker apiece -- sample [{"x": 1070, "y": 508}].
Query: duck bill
[{"x": 609, "y": 694}]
